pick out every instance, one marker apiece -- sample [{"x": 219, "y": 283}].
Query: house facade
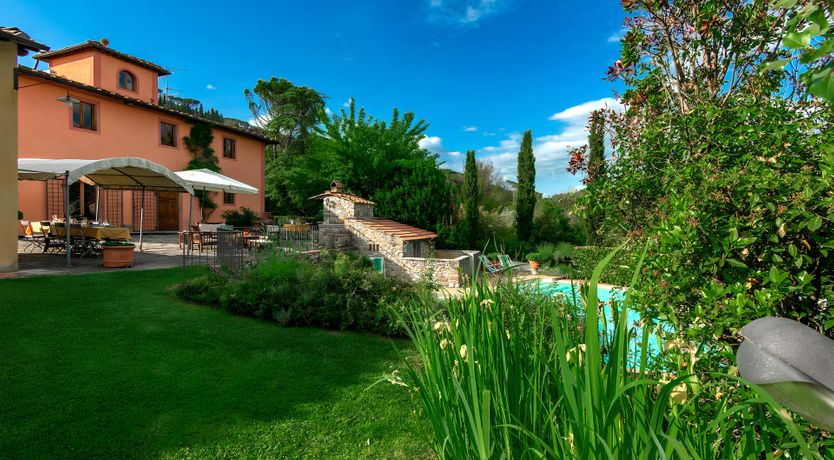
[
  {"x": 110, "y": 109},
  {"x": 401, "y": 251},
  {"x": 13, "y": 43}
]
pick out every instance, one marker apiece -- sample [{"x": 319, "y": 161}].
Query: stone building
[{"x": 403, "y": 251}]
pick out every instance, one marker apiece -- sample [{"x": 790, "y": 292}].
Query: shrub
[
  {"x": 336, "y": 292},
  {"x": 503, "y": 373},
  {"x": 618, "y": 272},
  {"x": 546, "y": 253},
  {"x": 244, "y": 217}
]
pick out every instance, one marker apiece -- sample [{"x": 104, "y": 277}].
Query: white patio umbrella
[
  {"x": 118, "y": 173},
  {"x": 211, "y": 181}
]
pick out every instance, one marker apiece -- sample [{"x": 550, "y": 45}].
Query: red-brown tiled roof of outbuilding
[
  {"x": 396, "y": 229},
  {"x": 342, "y": 195}
]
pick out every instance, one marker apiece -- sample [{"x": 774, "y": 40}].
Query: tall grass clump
[{"x": 503, "y": 372}]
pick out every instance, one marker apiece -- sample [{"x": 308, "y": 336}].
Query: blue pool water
[{"x": 604, "y": 294}]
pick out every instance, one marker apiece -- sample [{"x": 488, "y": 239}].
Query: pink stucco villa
[{"x": 117, "y": 114}]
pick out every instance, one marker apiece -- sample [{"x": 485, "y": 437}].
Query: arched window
[{"x": 127, "y": 80}]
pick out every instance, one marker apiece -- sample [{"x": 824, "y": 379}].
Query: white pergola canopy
[
  {"x": 120, "y": 173},
  {"x": 210, "y": 181}
]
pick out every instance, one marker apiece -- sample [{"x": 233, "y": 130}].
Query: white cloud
[
  {"x": 551, "y": 150},
  {"x": 255, "y": 122},
  {"x": 328, "y": 111},
  {"x": 464, "y": 12},
  {"x": 347, "y": 102},
  {"x": 470, "y": 129},
  {"x": 618, "y": 35},
  {"x": 454, "y": 154},
  {"x": 210, "y": 87},
  {"x": 582, "y": 111},
  {"x": 433, "y": 144}
]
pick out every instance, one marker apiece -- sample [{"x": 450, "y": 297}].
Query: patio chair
[
  {"x": 205, "y": 240},
  {"x": 490, "y": 267},
  {"x": 51, "y": 241},
  {"x": 32, "y": 238},
  {"x": 508, "y": 264}
]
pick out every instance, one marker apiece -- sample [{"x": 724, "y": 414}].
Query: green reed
[{"x": 504, "y": 372}]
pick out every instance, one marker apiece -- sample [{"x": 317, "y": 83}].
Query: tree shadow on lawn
[{"x": 112, "y": 365}]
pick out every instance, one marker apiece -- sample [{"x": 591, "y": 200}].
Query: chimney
[{"x": 336, "y": 186}]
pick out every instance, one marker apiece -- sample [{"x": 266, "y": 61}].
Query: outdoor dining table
[{"x": 96, "y": 233}]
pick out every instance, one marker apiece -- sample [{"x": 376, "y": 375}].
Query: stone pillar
[{"x": 8, "y": 157}]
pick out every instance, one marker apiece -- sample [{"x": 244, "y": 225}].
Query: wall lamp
[{"x": 67, "y": 100}]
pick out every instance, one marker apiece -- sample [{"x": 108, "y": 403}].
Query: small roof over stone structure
[
  {"x": 336, "y": 192},
  {"x": 396, "y": 229}
]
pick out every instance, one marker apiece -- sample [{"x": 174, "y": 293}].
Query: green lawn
[{"x": 113, "y": 365}]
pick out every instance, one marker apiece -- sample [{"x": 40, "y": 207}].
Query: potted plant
[
  {"x": 117, "y": 254},
  {"x": 534, "y": 259}
]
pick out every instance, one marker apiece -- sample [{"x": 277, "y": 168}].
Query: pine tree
[
  {"x": 471, "y": 200},
  {"x": 525, "y": 201},
  {"x": 596, "y": 171}
]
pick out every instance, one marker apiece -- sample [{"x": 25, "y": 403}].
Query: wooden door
[{"x": 169, "y": 211}]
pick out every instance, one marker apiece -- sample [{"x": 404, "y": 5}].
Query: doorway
[{"x": 169, "y": 216}]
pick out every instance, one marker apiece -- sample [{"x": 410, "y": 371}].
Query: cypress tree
[
  {"x": 471, "y": 200},
  {"x": 596, "y": 171},
  {"x": 525, "y": 201}
]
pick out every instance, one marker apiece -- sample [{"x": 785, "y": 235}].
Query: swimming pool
[{"x": 604, "y": 293}]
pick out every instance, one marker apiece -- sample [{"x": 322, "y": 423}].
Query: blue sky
[{"x": 479, "y": 71}]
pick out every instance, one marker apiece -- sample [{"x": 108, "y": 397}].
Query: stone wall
[
  {"x": 335, "y": 236},
  {"x": 338, "y": 209},
  {"x": 448, "y": 268}
]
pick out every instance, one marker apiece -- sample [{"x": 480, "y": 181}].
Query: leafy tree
[
  {"x": 289, "y": 114},
  {"x": 496, "y": 194},
  {"x": 471, "y": 200},
  {"x": 723, "y": 169},
  {"x": 190, "y": 106},
  {"x": 809, "y": 37},
  {"x": 525, "y": 201},
  {"x": 553, "y": 226},
  {"x": 375, "y": 159},
  {"x": 596, "y": 171},
  {"x": 198, "y": 143}
]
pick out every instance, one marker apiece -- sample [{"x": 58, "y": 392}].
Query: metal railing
[{"x": 232, "y": 250}]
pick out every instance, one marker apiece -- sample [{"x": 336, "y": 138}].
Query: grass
[{"x": 114, "y": 366}]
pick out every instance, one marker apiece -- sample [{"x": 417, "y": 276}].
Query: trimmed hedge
[
  {"x": 335, "y": 292},
  {"x": 619, "y": 272}
]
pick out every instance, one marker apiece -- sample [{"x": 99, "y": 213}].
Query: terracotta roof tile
[
  {"x": 23, "y": 40},
  {"x": 342, "y": 195},
  {"x": 92, "y": 44},
  {"x": 138, "y": 102},
  {"x": 396, "y": 229}
]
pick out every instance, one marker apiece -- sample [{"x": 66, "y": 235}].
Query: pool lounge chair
[
  {"x": 508, "y": 264},
  {"x": 490, "y": 268}
]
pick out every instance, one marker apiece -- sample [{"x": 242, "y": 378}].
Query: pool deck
[
  {"x": 160, "y": 251},
  {"x": 445, "y": 292}
]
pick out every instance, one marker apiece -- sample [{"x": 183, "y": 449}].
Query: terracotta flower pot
[
  {"x": 534, "y": 265},
  {"x": 117, "y": 256}
]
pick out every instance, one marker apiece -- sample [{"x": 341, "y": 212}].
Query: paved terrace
[{"x": 160, "y": 251}]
